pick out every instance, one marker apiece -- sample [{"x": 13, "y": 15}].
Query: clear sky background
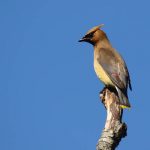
[{"x": 49, "y": 93}]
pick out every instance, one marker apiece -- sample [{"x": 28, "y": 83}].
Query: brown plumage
[{"x": 108, "y": 64}]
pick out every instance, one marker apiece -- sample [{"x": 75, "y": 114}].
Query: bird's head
[{"x": 94, "y": 35}]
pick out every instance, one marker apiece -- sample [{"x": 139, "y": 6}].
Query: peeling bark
[{"x": 114, "y": 129}]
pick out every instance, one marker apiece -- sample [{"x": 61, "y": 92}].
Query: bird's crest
[{"x": 95, "y": 28}]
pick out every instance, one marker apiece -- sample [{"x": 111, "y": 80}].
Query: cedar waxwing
[{"x": 109, "y": 66}]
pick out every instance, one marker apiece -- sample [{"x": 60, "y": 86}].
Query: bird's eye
[{"x": 90, "y": 35}]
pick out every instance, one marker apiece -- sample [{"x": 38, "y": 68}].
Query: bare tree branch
[{"x": 114, "y": 129}]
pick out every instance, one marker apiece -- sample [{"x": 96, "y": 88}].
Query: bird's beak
[{"x": 82, "y": 39}]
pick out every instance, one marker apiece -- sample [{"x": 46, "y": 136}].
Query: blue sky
[{"x": 49, "y": 93}]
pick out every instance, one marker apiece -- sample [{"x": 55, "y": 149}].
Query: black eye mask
[{"x": 90, "y": 35}]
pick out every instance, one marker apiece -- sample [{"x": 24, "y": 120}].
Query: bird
[{"x": 109, "y": 65}]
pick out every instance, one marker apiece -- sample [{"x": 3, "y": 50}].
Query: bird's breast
[{"x": 101, "y": 73}]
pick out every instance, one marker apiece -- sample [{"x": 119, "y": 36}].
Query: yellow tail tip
[{"x": 125, "y": 107}]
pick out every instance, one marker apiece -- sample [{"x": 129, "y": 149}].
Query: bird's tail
[{"x": 123, "y": 98}]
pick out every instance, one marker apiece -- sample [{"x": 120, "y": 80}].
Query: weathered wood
[{"x": 114, "y": 129}]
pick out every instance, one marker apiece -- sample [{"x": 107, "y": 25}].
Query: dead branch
[{"x": 114, "y": 129}]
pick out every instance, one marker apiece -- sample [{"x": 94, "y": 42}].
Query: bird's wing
[{"x": 115, "y": 67}]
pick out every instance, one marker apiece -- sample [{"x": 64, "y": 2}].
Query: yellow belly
[{"x": 102, "y": 74}]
